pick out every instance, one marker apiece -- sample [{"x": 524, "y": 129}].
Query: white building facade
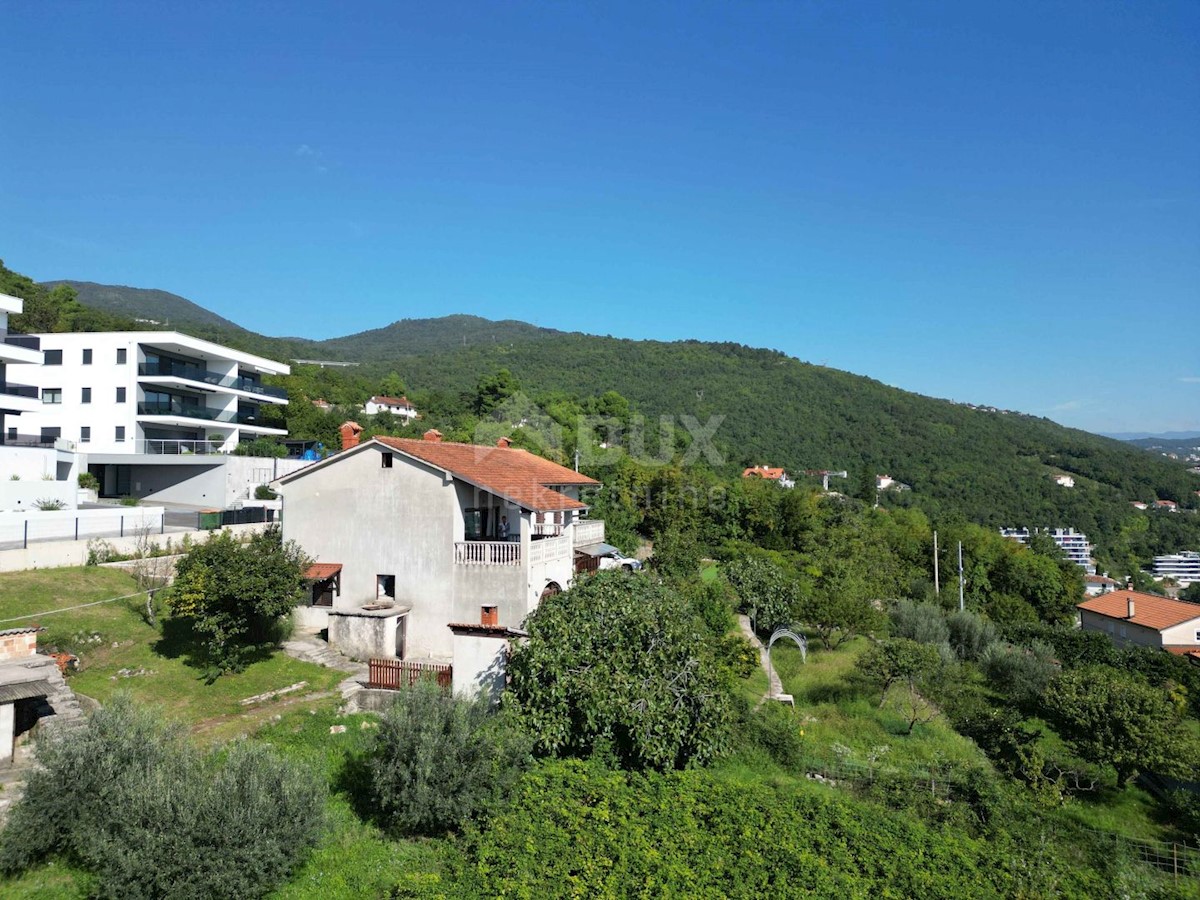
[
  {"x": 426, "y": 535},
  {"x": 1183, "y": 567},
  {"x": 1074, "y": 544}
]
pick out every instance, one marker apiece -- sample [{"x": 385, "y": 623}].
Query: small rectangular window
[
  {"x": 385, "y": 460},
  {"x": 12, "y": 436},
  {"x": 121, "y": 395},
  {"x": 122, "y": 355},
  {"x": 52, "y": 395},
  {"x": 85, "y": 434},
  {"x": 120, "y": 433},
  {"x": 489, "y": 615},
  {"x": 385, "y": 587},
  {"x": 87, "y": 396},
  {"x": 1122, "y": 631},
  {"x": 53, "y": 358},
  {"x": 87, "y": 357}
]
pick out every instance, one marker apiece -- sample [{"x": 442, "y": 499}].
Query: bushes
[
  {"x": 1021, "y": 673},
  {"x": 438, "y": 761},
  {"x": 970, "y": 634},
  {"x": 88, "y": 481},
  {"x": 920, "y": 622},
  {"x": 132, "y": 801}
]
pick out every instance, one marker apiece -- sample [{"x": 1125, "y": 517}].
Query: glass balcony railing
[
  {"x": 19, "y": 390},
  {"x": 199, "y": 373},
  {"x": 16, "y": 339},
  {"x": 186, "y": 411}
]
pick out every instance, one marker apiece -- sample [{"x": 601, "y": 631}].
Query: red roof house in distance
[
  {"x": 1166, "y": 504},
  {"x": 1099, "y": 584},
  {"x": 397, "y": 406},
  {"x": 767, "y": 473},
  {"x": 1134, "y": 619}
]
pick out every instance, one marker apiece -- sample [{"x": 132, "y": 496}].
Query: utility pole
[
  {"x": 937, "y": 586},
  {"x": 960, "y": 578},
  {"x": 576, "y": 459}
]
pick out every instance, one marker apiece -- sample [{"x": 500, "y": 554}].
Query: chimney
[
  {"x": 504, "y": 442},
  {"x": 432, "y": 435},
  {"x": 1130, "y": 607},
  {"x": 350, "y": 432}
]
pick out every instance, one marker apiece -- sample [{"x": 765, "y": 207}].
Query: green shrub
[
  {"x": 264, "y": 492},
  {"x": 438, "y": 761},
  {"x": 263, "y": 447},
  {"x": 920, "y": 622},
  {"x": 88, "y": 481},
  {"x": 48, "y": 504},
  {"x": 1021, "y": 673},
  {"x": 970, "y": 634},
  {"x": 132, "y": 801}
]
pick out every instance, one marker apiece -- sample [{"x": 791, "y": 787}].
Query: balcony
[
  {"x": 487, "y": 553},
  {"x": 181, "y": 447},
  {"x": 589, "y": 531},
  {"x": 16, "y": 339},
  {"x": 19, "y": 390},
  {"x": 213, "y": 379},
  {"x": 180, "y": 410}
]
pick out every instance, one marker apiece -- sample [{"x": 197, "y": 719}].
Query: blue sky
[{"x": 997, "y": 203}]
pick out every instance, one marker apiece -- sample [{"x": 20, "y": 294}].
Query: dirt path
[{"x": 774, "y": 685}]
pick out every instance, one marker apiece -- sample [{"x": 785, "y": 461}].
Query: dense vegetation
[{"x": 988, "y": 467}]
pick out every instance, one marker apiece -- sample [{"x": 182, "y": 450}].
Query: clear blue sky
[{"x": 997, "y": 203}]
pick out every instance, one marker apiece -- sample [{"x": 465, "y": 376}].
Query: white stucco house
[
  {"x": 397, "y": 406},
  {"x": 435, "y": 552},
  {"x": 1135, "y": 619}
]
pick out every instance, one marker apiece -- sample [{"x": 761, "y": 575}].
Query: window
[
  {"x": 489, "y": 615},
  {"x": 53, "y": 358},
  {"x": 87, "y": 357},
  {"x": 51, "y": 434},
  {"x": 12, "y": 436},
  {"x": 1122, "y": 631},
  {"x": 385, "y": 587},
  {"x": 122, "y": 355},
  {"x": 87, "y": 395},
  {"x": 85, "y": 434},
  {"x": 120, "y": 395},
  {"x": 1198, "y": 635},
  {"x": 120, "y": 433},
  {"x": 52, "y": 395},
  {"x": 385, "y": 460}
]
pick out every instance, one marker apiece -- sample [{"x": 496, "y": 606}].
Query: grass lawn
[
  {"x": 835, "y": 709},
  {"x": 114, "y": 638}
]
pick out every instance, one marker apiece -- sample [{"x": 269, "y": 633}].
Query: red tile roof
[
  {"x": 391, "y": 401},
  {"x": 1178, "y": 650},
  {"x": 1149, "y": 610},
  {"x": 321, "y": 571},
  {"x": 763, "y": 472},
  {"x": 517, "y": 475}
]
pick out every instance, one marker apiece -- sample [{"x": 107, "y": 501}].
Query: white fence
[
  {"x": 589, "y": 531},
  {"x": 548, "y": 549},
  {"x": 19, "y": 529}
]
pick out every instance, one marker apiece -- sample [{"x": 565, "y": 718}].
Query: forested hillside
[{"x": 989, "y": 467}]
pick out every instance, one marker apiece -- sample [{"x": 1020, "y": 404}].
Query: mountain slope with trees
[{"x": 986, "y": 466}]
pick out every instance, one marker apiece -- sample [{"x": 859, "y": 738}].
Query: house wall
[
  {"x": 18, "y": 646},
  {"x": 404, "y": 521},
  {"x": 21, "y": 496},
  {"x": 480, "y": 666},
  {"x": 7, "y": 723},
  {"x": 1182, "y": 635},
  {"x": 1121, "y": 633}
]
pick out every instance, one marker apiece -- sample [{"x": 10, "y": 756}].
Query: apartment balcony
[
  {"x": 511, "y": 553},
  {"x": 19, "y": 398},
  {"x": 20, "y": 348},
  {"x": 188, "y": 414},
  {"x": 184, "y": 374}
]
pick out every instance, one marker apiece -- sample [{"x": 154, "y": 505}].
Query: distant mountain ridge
[
  {"x": 161, "y": 307},
  {"x": 992, "y": 468}
]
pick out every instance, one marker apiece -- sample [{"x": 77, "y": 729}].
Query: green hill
[{"x": 991, "y": 467}]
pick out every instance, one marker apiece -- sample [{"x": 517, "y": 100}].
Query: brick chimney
[
  {"x": 504, "y": 443},
  {"x": 432, "y": 435},
  {"x": 350, "y": 432},
  {"x": 1130, "y": 608}
]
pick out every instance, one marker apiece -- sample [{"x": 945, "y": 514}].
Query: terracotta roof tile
[
  {"x": 390, "y": 401},
  {"x": 763, "y": 472},
  {"x": 1149, "y": 610},
  {"x": 518, "y": 475},
  {"x": 321, "y": 571}
]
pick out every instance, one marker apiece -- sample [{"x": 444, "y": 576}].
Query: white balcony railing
[
  {"x": 545, "y": 529},
  {"x": 589, "y": 531},
  {"x": 550, "y": 549},
  {"x": 487, "y": 553}
]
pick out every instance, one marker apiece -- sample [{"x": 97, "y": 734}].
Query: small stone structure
[{"x": 366, "y": 632}]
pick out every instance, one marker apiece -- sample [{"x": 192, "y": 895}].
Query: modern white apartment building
[
  {"x": 22, "y": 352},
  {"x": 155, "y": 412},
  {"x": 1183, "y": 567},
  {"x": 1073, "y": 543}
]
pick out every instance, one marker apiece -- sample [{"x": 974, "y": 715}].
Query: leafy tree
[
  {"x": 763, "y": 587},
  {"x": 492, "y": 390},
  {"x": 392, "y": 385},
  {"x": 619, "y": 663},
  {"x": 1112, "y": 718},
  {"x": 676, "y": 554},
  {"x": 970, "y": 634},
  {"x": 921, "y": 622},
  {"x": 1021, "y": 673},
  {"x": 235, "y": 595},
  {"x": 909, "y": 674},
  {"x": 438, "y": 761}
]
